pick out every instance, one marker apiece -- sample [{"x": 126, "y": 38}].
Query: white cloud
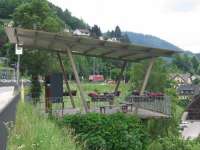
[
  {"x": 176, "y": 21},
  {"x": 183, "y": 5}
]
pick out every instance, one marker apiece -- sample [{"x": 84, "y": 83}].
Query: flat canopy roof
[{"x": 59, "y": 42}]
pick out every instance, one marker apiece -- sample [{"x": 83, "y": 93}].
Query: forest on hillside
[
  {"x": 46, "y": 16},
  {"x": 43, "y": 15}
]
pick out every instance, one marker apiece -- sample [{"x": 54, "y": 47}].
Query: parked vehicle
[{"x": 96, "y": 78}]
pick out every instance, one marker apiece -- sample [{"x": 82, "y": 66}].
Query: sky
[{"x": 177, "y": 21}]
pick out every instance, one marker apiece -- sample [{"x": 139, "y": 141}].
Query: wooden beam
[
  {"x": 16, "y": 35},
  {"x": 77, "y": 80},
  {"x": 147, "y": 75},
  {"x": 89, "y": 50},
  {"x": 106, "y": 53},
  {"x": 66, "y": 80},
  {"x": 152, "y": 56},
  {"x": 138, "y": 52},
  {"x": 145, "y": 58},
  {"x": 51, "y": 42},
  {"x": 125, "y": 46},
  {"x": 125, "y": 55},
  {"x": 35, "y": 38},
  {"x": 102, "y": 43}
]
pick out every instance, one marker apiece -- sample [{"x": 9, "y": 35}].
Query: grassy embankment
[{"x": 33, "y": 131}]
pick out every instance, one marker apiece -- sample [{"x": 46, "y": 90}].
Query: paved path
[
  {"x": 6, "y": 95},
  {"x": 142, "y": 113},
  {"x": 8, "y": 104},
  {"x": 192, "y": 130}
]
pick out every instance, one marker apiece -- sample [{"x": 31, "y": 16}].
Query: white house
[
  {"x": 113, "y": 40},
  {"x": 101, "y": 38},
  {"x": 181, "y": 78},
  {"x": 81, "y": 32},
  {"x": 66, "y": 30}
]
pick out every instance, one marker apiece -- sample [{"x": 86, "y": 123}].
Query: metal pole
[
  {"x": 77, "y": 79},
  {"x": 22, "y": 91},
  {"x": 147, "y": 75},
  {"x": 66, "y": 80},
  {"x": 18, "y": 67}
]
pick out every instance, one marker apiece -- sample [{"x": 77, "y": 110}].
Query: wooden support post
[
  {"x": 120, "y": 76},
  {"x": 66, "y": 80},
  {"x": 147, "y": 75},
  {"x": 119, "y": 79},
  {"x": 77, "y": 79}
]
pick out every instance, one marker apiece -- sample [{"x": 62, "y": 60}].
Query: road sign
[{"x": 18, "y": 49}]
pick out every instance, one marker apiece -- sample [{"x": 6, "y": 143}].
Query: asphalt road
[
  {"x": 6, "y": 89},
  {"x": 8, "y": 103},
  {"x": 6, "y": 95}
]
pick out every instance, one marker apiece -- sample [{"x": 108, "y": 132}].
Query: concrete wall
[{"x": 7, "y": 115}]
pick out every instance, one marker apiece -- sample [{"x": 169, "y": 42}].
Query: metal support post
[{"x": 18, "y": 67}]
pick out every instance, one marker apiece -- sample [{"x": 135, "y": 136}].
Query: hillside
[
  {"x": 72, "y": 22},
  {"x": 151, "y": 41},
  {"x": 8, "y": 7}
]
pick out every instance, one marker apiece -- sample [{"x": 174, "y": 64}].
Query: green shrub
[
  {"x": 161, "y": 127},
  {"x": 196, "y": 147},
  {"x": 111, "y": 132},
  {"x": 155, "y": 145},
  {"x": 176, "y": 143},
  {"x": 183, "y": 103}
]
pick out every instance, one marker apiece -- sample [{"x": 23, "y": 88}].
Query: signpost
[{"x": 18, "y": 52}]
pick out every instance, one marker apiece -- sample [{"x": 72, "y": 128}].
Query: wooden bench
[
  {"x": 102, "y": 98},
  {"x": 103, "y": 108},
  {"x": 123, "y": 107},
  {"x": 127, "y": 105},
  {"x": 66, "y": 93}
]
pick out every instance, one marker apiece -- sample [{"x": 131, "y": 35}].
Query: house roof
[
  {"x": 184, "y": 77},
  {"x": 83, "y": 30},
  {"x": 186, "y": 87},
  {"x": 190, "y": 87},
  {"x": 195, "y": 103},
  {"x": 59, "y": 42}
]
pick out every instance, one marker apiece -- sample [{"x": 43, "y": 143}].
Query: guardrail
[
  {"x": 7, "y": 77},
  {"x": 7, "y": 74},
  {"x": 161, "y": 104},
  {"x": 7, "y": 115}
]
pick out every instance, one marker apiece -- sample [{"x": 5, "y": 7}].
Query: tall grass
[{"x": 35, "y": 132}]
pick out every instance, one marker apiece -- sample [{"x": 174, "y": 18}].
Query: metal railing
[
  {"x": 161, "y": 104},
  {"x": 7, "y": 73},
  {"x": 7, "y": 77}
]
